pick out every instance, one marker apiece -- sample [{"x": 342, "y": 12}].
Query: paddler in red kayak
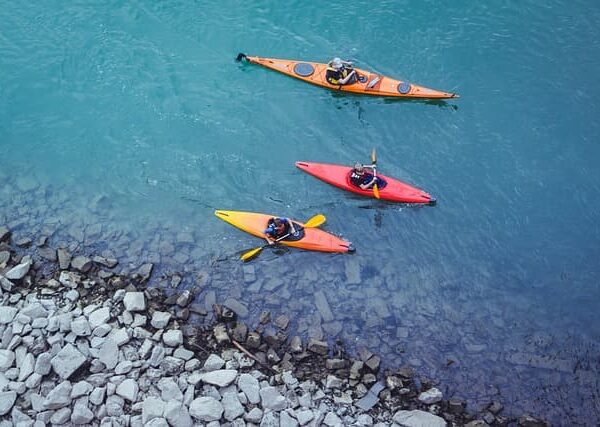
[{"x": 362, "y": 179}]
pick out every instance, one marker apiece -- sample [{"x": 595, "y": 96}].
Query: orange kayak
[
  {"x": 312, "y": 239},
  {"x": 368, "y": 83}
]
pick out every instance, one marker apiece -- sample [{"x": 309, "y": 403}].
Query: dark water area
[{"x": 124, "y": 125}]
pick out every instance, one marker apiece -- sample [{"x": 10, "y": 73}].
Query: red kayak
[{"x": 391, "y": 189}]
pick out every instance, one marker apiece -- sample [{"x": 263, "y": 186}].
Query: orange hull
[
  {"x": 314, "y": 239},
  {"x": 369, "y": 83}
]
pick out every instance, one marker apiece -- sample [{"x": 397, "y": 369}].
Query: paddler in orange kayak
[
  {"x": 278, "y": 229},
  {"x": 340, "y": 72}
]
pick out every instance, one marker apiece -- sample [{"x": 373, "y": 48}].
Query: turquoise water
[{"x": 123, "y": 125}]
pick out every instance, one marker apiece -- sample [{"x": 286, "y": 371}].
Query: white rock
[
  {"x": 160, "y": 319},
  {"x": 254, "y": 416},
  {"x": 173, "y": 338},
  {"x": 157, "y": 422},
  {"x": 82, "y": 388},
  {"x": 109, "y": 353},
  {"x": 59, "y": 396},
  {"x": 81, "y": 414},
  {"x": 27, "y": 365},
  {"x": 18, "y": 271},
  {"x": 206, "y": 409},
  {"x": 7, "y": 359},
  {"x": 213, "y": 363},
  {"x": 332, "y": 420},
  {"x": 433, "y": 395},
  {"x": 123, "y": 367},
  {"x": 7, "y": 314},
  {"x": 119, "y": 336},
  {"x": 97, "y": 396},
  {"x": 99, "y": 317},
  {"x": 153, "y": 408},
  {"x": 61, "y": 416},
  {"x": 81, "y": 327},
  {"x": 128, "y": 390},
  {"x": 67, "y": 361},
  {"x": 169, "y": 390},
  {"x": 232, "y": 406},
  {"x": 304, "y": 416},
  {"x": 418, "y": 418},
  {"x": 42, "y": 364},
  {"x": 271, "y": 399},
  {"x": 220, "y": 378},
  {"x": 182, "y": 353},
  {"x": 7, "y": 400},
  {"x": 134, "y": 301},
  {"x": 333, "y": 382},
  {"x": 33, "y": 381},
  {"x": 177, "y": 414},
  {"x": 249, "y": 385},
  {"x": 286, "y": 420}
]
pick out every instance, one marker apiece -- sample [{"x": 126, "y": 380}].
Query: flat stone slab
[
  {"x": 371, "y": 398},
  {"x": 7, "y": 314},
  {"x": 418, "y": 418},
  {"x": 67, "y": 361},
  {"x": 134, "y": 301},
  {"x": 220, "y": 378}
]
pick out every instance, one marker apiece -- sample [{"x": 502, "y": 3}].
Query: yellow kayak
[
  {"x": 312, "y": 239},
  {"x": 368, "y": 83}
]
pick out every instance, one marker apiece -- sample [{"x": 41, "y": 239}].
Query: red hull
[{"x": 339, "y": 176}]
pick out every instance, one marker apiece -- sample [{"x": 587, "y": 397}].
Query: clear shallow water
[{"x": 122, "y": 127}]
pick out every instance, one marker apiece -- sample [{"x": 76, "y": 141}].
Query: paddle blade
[
  {"x": 376, "y": 191},
  {"x": 315, "y": 221},
  {"x": 374, "y": 156},
  {"x": 247, "y": 256}
]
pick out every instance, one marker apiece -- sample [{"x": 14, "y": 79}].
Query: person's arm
[
  {"x": 347, "y": 78},
  {"x": 369, "y": 184},
  {"x": 291, "y": 224}
]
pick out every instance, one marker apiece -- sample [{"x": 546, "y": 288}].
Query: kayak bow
[{"x": 368, "y": 83}]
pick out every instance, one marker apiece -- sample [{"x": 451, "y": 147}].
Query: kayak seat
[{"x": 304, "y": 69}]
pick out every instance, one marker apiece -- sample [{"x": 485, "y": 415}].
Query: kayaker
[
  {"x": 361, "y": 178},
  {"x": 340, "y": 72},
  {"x": 278, "y": 228}
]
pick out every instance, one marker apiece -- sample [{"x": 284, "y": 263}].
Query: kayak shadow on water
[{"x": 355, "y": 100}]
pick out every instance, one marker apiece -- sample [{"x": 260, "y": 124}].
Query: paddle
[
  {"x": 313, "y": 222},
  {"x": 374, "y": 161}
]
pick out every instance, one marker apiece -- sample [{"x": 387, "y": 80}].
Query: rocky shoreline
[{"x": 81, "y": 345}]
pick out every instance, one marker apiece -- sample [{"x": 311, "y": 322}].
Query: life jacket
[
  {"x": 334, "y": 75},
  {"x": 278, "y": 232}
]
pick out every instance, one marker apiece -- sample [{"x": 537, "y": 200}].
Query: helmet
[
  {"x": 336, "y": 63},
  {"x": 358, "y": 167}
]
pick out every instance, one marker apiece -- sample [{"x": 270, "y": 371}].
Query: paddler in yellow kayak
[
  {"x": 340, "y": 72},
  {"x": 279, "y": 229}
]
